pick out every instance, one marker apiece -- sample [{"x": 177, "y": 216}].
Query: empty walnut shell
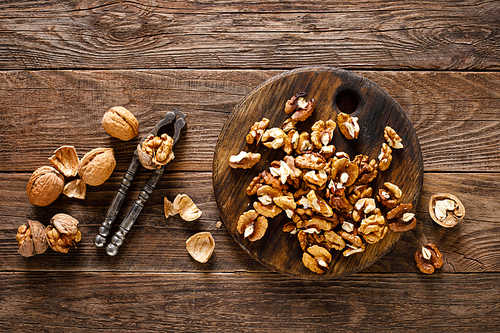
[
  {"x": 120, "y": 123},
  {"x": 65, "y": 160},
  {"x": 446, "y": 209},
  {"x": 32, "y": 239},
  {"x": 96, "y": 166},
  {"x": 75, "y": 189},
  {"x": 201, "y": 246},
  {"x": 44, "y": 186}
]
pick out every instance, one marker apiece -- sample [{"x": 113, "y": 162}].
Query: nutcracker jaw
[{"x": 172, "y": 124}]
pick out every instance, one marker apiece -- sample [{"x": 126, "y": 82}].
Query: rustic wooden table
[{"x": 63, "y": 63}]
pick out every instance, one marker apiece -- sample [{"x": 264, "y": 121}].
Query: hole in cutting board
[{"x": 347, "y": 101}]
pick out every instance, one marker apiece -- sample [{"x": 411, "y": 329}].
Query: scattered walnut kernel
[
  {"x": 322, "y": 133},
  {"x": 120, "y": 123},
  {"x": 44, "y": 186},
  {"x": 244, "y": 160},
  {"x": 301, "y": 108},
  {"x": 392, "y": 138},
  {"x": 96, "y": 166},
  {"x": 201, "y": 246},
  {"x": 385, "y": 157},
  {"x": 348, "y": 126},
  {"x": 63, "y": 232},
  {"x": 257, "y": 130},
  {"x": 429, "y": 259},
  {"x": 274, "y": 138},
  {"x": 317, "y": 259},
  {"x": 252, "y": 226},
  {"x": 155, "y": 151},
  {"x": 31, "y": 239},
  {"x": 75, "y": 189},
  {"x": 65, "y": 160},
  {"x": 446, "y": 209}
]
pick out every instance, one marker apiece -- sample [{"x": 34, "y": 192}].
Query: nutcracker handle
[
  {"x": 116, "y": 204},
  {"x": 133, "y": 213}
]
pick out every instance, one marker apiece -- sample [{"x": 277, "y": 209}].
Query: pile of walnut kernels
[{"x": 326, "y": 195}]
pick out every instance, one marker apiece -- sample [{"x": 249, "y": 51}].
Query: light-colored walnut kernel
[
  {"x": 274, "y": 138},
  {"x": 345, "y": 172},
  {"x": 44, "y": 186},
  {"x": 256, "y": 131},
  {"x": 311, "y": 161},
  {"x": 317, "y": 259},
  {"x": 446, "y": 209},
  {"x": 120, "y": 123},
  {"x": 385, "y": 157},
  {"x": 252, "y": 226},
  {"x": 392, "y": 138},
  {"x": 348, "y": 126},
  {"x": 291, "y": 141},
  {"x": 200, "y": 246},
  {"x": 304, "y": 144},
  {"x": 63, "y": 233},
  {"x": 65, "y": 160},
  {"x": 269, "y": 210},
  {"x": 155, "y": 151},
  {"x": 318, "y": 204},
  {"x": 244, "y": 160},
  {"x": 322, "y": 133},
  {"x": 96, "y": 166},
  {"x": 75, "y": 189},
  {"x": 31, "y": 239},
  {"x": 373, "y": 228}
]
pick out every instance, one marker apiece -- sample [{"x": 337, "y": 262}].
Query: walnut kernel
[
  {"x": 244, "y": 160},
  {"x": 63, "y": 232},
  {"x": 31, "y": 239}
]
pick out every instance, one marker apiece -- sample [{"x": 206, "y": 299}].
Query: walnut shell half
[
  {"x": 32, "y": 239},
  {"x": 201, "y": 246},
  {"x": 446, "y": 209},
  {"x": 65, "y": 160},
  {"x": 97, "y": 166},
  {"x": 44, "y": 186}
]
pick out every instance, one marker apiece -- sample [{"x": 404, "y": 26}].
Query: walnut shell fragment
[
  {"x": 96, "y": 166},
  {"x": 32, "y": 239},
  {"x": 182, "y": 205},
  {"x": 65, "y": 160},
  {"x": 201, "y": 246},
  {"x": 75, "y": 189},
  {"x": 63, "y": 232},
  {"x": 44, "y": 186},
  {"x": 446, "y": 209},
  {"x": 120, "y": 123}
]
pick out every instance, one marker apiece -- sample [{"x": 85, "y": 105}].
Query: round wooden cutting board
[{"x": 334, "y": 90}]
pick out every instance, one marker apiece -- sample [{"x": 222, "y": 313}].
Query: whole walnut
[
  {"x": 120, "y": 123},
  {"x": 63, "y": 232},
  {"x": 32, "y": 239},
  {"x": 97, "y": 166},
  {"x": 44, "y": 186}
]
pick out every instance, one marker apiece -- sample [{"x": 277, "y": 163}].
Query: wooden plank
[
  {"x": 126, "y": 302},
  {"x": 459, "y": 35},
  {"x": 455, "y": 114},
  {"x": 158, "y": 245}
]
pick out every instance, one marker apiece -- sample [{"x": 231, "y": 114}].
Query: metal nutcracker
[{"x": 172, "y": 124}]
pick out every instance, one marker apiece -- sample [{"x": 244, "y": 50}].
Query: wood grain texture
[
  {"x": 375, "y": 110},
  {"x": 453, "y": 113},
  {"x": 156, "y": 244},
  {"x": 88, "y": 34},
  {"x": 131, "y": 302}
]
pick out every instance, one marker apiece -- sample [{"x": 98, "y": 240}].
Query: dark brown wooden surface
[
  {"x": 62, "y": 64},
  {"x": 375, "y": 109}
]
